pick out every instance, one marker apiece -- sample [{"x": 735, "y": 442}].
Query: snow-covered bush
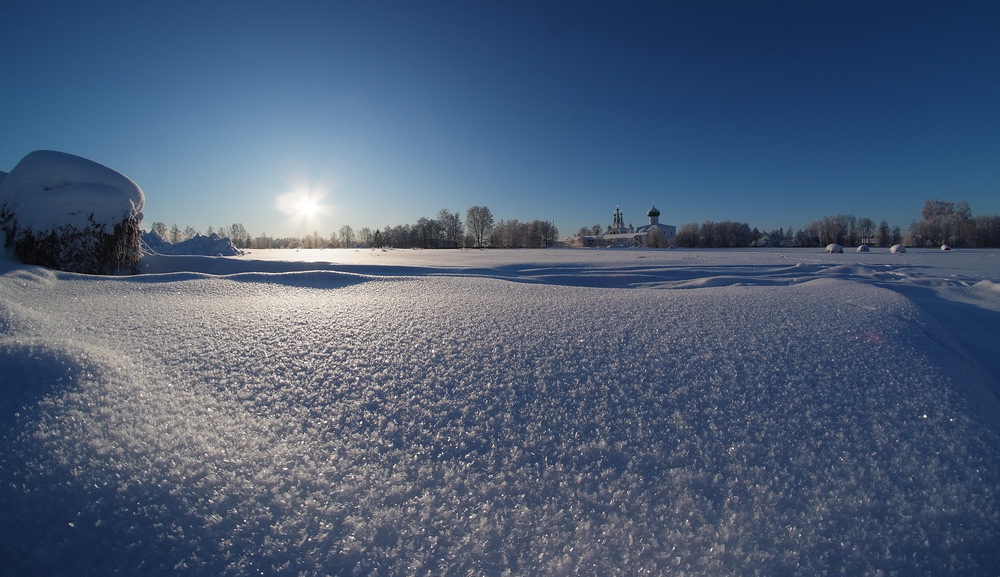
[
  {"x": 834, "y": 247},
  {"x": 69, "y": 213},
  {"x": 863, "y": 248},
  {"x": 897, "y": 248}
]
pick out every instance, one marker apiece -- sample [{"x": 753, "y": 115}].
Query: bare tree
[
  {"x": 479, "y": 219},
  {"x": 655, "y": 239},
  {"x": 263, "y": 241},
  {"x": 866, "y": 231},
  {"x": 160, "y": 229},
  {"x": 451, "y": 227},
  {"x": 687, "y": 236},
  {"x": 882, "y": 234},
  {"x": 347, "y": 238},
  {"x": 365, "y": 236},
  {"x": 425, "y": 233},
  {"x": 548, "y": 232},
  {"x": 238, "y": 233}
]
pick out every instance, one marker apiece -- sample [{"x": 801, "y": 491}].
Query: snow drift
[
  {"x": 71, "y": 213},
  {"x": 550, "y": 412},
  {"x": 211, "y": 245}
]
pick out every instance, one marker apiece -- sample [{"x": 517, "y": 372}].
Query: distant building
[{"x": 618, "y": 234}]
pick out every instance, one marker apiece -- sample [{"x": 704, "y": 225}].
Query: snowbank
[
  {"x": 211, "y": 245},
  {"x": 545, "y": 412}
]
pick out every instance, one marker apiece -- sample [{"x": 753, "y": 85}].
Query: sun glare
[
  {"x": 306, "y": 207},
  {"x": 302, "y": 206}
]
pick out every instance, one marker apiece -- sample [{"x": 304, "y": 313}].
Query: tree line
[
  {"x": 447, "y": 230},
  {"x": 848, "y": 230},
  {"x": 844, "y": 229},
  {"x": 942, "y": 222},
  {"x": 951, "y": 223}
]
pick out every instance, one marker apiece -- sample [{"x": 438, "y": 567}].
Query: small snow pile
[
  {"x": 897, "y": 248},
  {"x": 863, "y": 248},
  {"x": 69, "y": 213},
  {"x": 211, "y": 245},
  {"x": 834, "y": 247},
  {"x": 945, "y": 247}
]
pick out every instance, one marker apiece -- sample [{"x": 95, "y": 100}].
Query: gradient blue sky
[{"x": 771, "y": 113}]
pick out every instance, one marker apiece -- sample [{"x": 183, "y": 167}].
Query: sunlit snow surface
[{"x": 548, "y": 412}]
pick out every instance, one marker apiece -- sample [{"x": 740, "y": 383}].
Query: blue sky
[{"x": 771, "y": 113}]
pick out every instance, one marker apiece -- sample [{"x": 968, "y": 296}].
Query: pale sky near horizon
[{"x": 774, "y": 113}]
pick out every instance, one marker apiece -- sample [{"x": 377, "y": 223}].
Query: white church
[{"x": 618, "y": 234}]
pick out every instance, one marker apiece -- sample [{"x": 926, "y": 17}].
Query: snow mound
[
  {"x": 834, "y": 247},
  {"x": 48, "y": 190},
  {"x": 211, "y": 245},
  {"x": 70, "y": 213},
  {"x": 897, "y": 248},
  {"x": 863, "y": 248}
]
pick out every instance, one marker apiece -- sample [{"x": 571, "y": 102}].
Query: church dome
[{"x": 653, "y": 211}]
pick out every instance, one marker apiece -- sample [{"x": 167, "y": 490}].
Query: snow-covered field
[{"x": 544, "y": 412}]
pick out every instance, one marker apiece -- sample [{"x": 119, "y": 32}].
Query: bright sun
[
  {"x": 302, "y": 205},
  {"x": 307, "y": 207}
]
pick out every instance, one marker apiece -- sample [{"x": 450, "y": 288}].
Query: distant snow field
[{"x": 535, "y": 412}]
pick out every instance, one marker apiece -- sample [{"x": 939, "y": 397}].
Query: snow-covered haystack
[
  {"x": 69, "y": 213},
  {"x": 945, "y": 247},
  {"x": 897, "y": 248},
  {"x": 863, "y": 248},
  {"x": 834, "y": 247},
  {"x": 211, "y": 245}
]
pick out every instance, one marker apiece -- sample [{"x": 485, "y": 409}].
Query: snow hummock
[
  {"x": 834, "y": 247},
  {"x": 49, "y": 190},
  {"x": 897, "y": 248},
  {"x": 211, "y": 245},
  {"x": 546, "y": 412}
]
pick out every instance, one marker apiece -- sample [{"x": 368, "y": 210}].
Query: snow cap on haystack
[
  {"x": 68, "y": 213},
  {"x": 48, "y": 190},
  {"x": 834, "y": 247},
  {"x": 897, "y": 248}
]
